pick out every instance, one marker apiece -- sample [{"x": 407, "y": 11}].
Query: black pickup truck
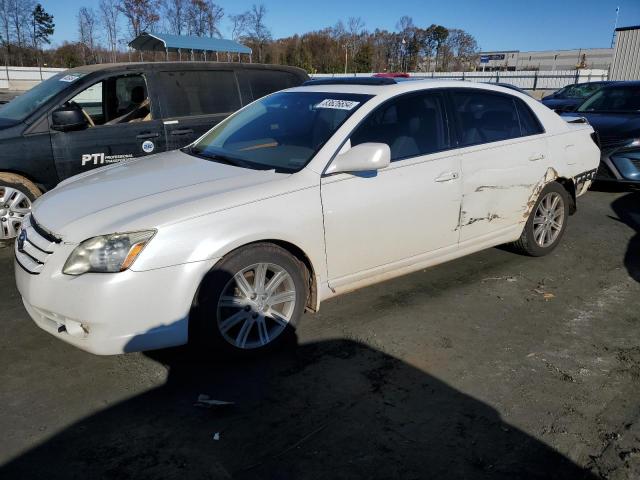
[{"x": 91, "y": 116}]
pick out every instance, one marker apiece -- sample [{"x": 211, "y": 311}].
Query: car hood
[
  {"x": 149, "y": 192},
  {"x": 561, "y": 103},
  {"x": 613, "y": 125}
]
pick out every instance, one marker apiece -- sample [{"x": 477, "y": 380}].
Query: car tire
[
  {"x": 547, "y": 222},
  {"x": 16, "y": 197},
  {"x": 238, "y": 316}
]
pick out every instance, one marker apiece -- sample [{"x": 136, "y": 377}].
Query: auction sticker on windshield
[
  {"x": 71, "y": 78},
  {"x": 338, "y": 104}
]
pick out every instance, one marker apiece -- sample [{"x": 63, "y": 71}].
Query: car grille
[{"x": 34, "y": 246}]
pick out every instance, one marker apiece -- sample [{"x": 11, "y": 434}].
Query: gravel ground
[{"x": 492, "y": 366}]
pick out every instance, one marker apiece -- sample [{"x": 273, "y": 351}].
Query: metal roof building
[
  {"x": 164, "y": 42},
  {"x": 626, "y": 58}
]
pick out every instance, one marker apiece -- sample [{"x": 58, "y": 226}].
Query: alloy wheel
[
  {"x": 548, "y": 220},
  {"x": 256, "y": 306},
  {"x": 14, "y": 206}
]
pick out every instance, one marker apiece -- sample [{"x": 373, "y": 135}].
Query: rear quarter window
[
  {"x": 264, "y": 82},
  {"x": 205, "y": 92}
]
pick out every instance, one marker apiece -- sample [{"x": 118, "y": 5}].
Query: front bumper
[
  {"x": 108, "y": 314},
  {"x": 619, "y": 165}
]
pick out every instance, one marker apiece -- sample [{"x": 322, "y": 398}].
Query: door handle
[
  {"x": 182, "y": 131},
  {"x": 447, "y": 177},
  {"x": 535, "y": 158},
  {"x": 142, "y": 136}
]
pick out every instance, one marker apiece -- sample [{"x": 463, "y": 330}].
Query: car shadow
[
  {"x": 627, "y": 208},
  {"x": 329, "y": 409}
]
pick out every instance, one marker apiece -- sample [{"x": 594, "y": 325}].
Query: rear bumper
[{"x": 108, "y": 314}]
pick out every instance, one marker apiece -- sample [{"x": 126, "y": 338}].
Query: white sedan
[{"x": 298, "y": 197}]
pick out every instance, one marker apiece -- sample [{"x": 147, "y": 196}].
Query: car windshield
[
  {"x": 282, "y": 131},
  {"x": 613, "y": 100},
  {"x": 581, "y": 90},
  {"x": 21, "y": 107}
]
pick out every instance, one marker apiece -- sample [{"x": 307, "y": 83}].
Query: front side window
[
  {"x": 115, "y": 100},
  {"x": 618, "y": 99},
  {"x": 411, "y": 125},
  {"x": 206, "y": 92},
  {"x": 485, "y": 117},
  {"x": 282, "y": 131}
]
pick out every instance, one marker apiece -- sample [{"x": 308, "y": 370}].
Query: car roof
[
  {"x": 187, "y": 65},
  {"x": 396, "y": 86}
]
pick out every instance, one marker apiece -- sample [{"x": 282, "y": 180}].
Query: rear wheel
[
  {"x": 16, "y": 196},
  {"x": 547, "y": 222},
  {"x": 252, "y": 300}
]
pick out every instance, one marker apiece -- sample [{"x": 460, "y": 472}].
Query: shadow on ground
[
  {"x": 332, "y": 409},
  {"x": 628, "y": 210}
]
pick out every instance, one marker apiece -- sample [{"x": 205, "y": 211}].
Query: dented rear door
[
  {"x": 499, "y": 185},
  {"x": 503, "y": 154}
]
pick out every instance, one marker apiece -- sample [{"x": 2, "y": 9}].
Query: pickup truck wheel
[
  {"x": 546, "y": 223},
  {"x": 252, "y": 300},
  {"x": 16, "y": 196}
]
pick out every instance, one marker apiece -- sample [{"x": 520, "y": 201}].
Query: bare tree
[
  {"x": 214, "y": 18},
  {"x": 19, "y": 12},
  {"x": 355, "y": 28},
  {"x": 87, "y": 23},
  {"x": 109, "y": 16},
  {"x": 203, "y": 18},
  {"x": 254, "y": 29},
  {"x": 175, "y": 14},
  {"x": 140, "y": 14},
  {"x": 239, "y": 25}
]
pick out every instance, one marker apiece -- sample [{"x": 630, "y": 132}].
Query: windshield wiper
[{"x": 216, "y": 157}]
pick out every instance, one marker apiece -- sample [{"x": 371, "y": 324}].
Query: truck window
[
  {"x": 191, "y": 93},
  {"x": 116, "y": 100},
  {"x": 264, "y": 82}
]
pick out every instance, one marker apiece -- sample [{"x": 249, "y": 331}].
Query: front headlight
[{"x": 107, "y": 253}]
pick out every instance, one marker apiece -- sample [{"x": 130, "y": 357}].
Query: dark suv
[{"x": 95, "y": 115}]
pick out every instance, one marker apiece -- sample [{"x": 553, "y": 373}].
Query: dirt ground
[{"x": 492, "y": 366}]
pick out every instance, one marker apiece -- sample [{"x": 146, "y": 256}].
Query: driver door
[{"x": 118, "y": 132}]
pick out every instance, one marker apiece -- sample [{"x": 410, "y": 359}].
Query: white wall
[{"x": 23, "y": 78}]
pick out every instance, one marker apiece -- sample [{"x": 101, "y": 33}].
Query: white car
[{"x": 298, "y": 197}]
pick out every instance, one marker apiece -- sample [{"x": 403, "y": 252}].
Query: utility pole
[
  {"x": 346, "y": 50},
  {"x": 615, "y": 25}
]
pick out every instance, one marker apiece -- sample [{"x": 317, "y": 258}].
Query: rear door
[
  {"x": 503, "y": 160},
  {"x": 123, "y": 126},
  {"x": 194, "y": 101}
]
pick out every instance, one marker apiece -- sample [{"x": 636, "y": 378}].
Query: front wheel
[
  {"x": 546, "y": 223},
  {"x": 252, "y": 300},
  {"x": 16, "y": 196}
]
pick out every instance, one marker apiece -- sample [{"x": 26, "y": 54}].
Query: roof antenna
[{"x": 615, "y": 25}]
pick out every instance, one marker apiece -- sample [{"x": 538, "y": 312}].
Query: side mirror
[
  {"x": 66, "y": 119},
  {"x": 362, "y": 158}
]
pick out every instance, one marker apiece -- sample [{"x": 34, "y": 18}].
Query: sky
[{"x": 496, "y": 24}]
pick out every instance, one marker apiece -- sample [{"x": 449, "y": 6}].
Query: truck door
[
  {"x": 122, "y": 121},
  {"x": 194, "y": 101}
]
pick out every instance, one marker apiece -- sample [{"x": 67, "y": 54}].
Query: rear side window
[
  {"x": 199, "y": 93},
  {"x": 264, "y": 82},
  {"x": 529, "y": 123},
  {"x": 485, "y": 117},
  {"x": 411, "y": 125}
]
